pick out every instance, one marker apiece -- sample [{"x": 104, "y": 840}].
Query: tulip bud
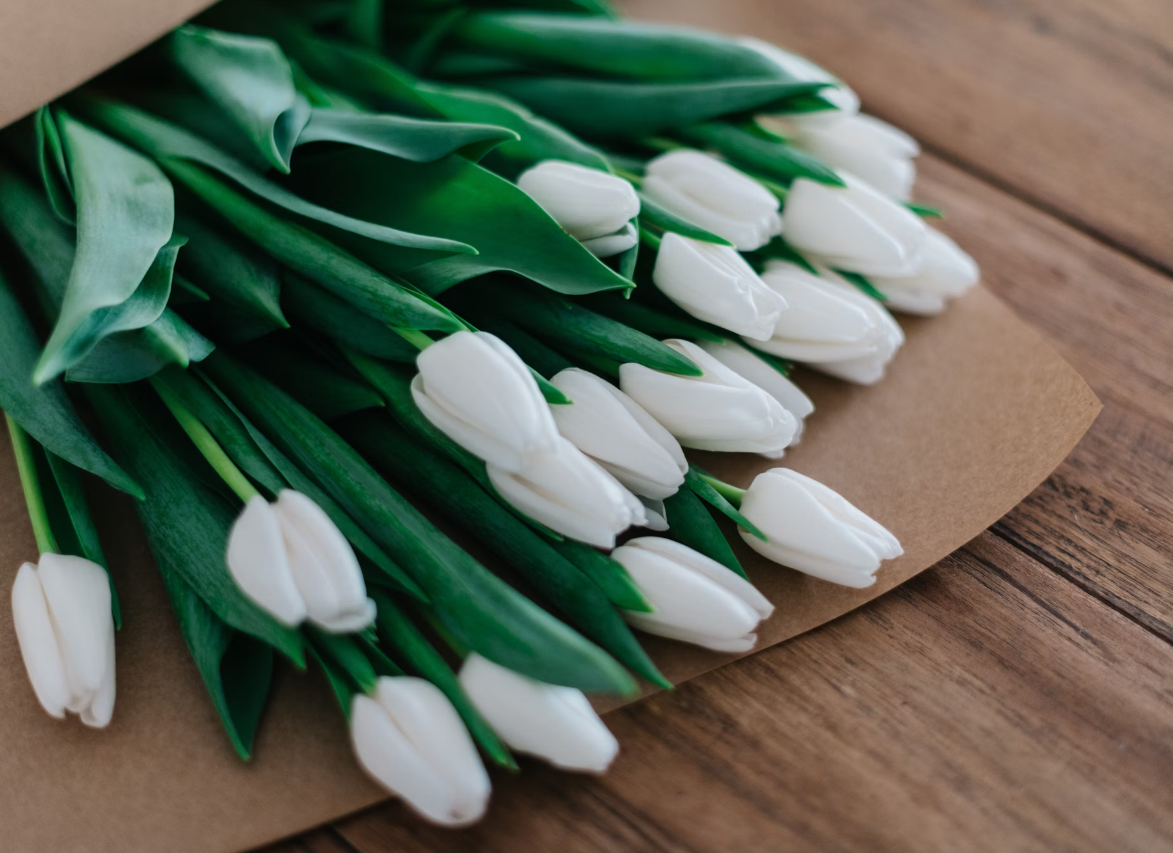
[
  {"x": 873, "y": 150},
  {"x": 712, "y": 194},
  {"x": 593, "y": 206},
  {"x": 552, "y": 722},
  {"x": 947, "y": 272},
  {"x": 715, "y": 284},
  {"x": 799, "y": 67},
  {"x": 855, "y": 228},
  {"x": 61, "y": 612},
  {"x": 831, "y": 325},
  {"x": 568, "y": 492},
  {"x": 611, "y": 428},
  {"x": 476, "y": 390},
  {"x": 411, "y": 741},
  {"x": 696, "y": 599},
  {"x": 813, "y": 529},
  {"x": 747, "y": 364},
  {"x": 720, "y": 410},
  {"x": 291, "y": 560}
]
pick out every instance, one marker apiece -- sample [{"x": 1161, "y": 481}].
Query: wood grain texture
[
  {"x": 1066, "y": 103},
  {"x": 986, "y": 705}
]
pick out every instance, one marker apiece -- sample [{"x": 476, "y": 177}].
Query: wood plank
[
  {"x": 1105, "y": 518},
  {"x": 986, "y": 705},
  {"x": 1066, "y": 102}
]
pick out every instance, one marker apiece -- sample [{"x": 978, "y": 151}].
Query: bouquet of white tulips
[{"x": 328, "y": 273}]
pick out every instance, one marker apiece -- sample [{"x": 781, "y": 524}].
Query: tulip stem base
[
  {"x": 730, "y": 493},
  {"x": 205, "y": 442},
  {"x": 415, "y": 337},
  {"x": 30, "y": 483}
]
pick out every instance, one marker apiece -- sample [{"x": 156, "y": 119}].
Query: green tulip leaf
[
  {"x": 770, "y": 158},
  {"x": 311, "y": 306},
  {"x": 691, "y": 524}
]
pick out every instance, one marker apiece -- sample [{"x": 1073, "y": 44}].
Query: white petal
[
  {"x": 38, "y": 642},
  {"x": 743, "y": 361},
  {"x": 555, "y": 723},
  {"x": 802, "y": 68},
  {"x": 946, "y": 273},
  {"x": 710, "y": 568},
  {"x": 588, "y": 203},
  {"x": 101, "y": 709},
  {"x": 612, "y": 244},
  {"x": 77, "y": 592},
  {"x": 656, "y": 514},
  {"x": 259, "y": 565}
]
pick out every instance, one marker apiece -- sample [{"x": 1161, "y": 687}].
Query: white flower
[
  {"x": 715, "y": 284},
  {"x": 476, "y": 390},
  {"x": 947, "y": 272},
  {"x": 831, "y": 325},
  {"x": 720, "y": 410},
  {"x": 61, "y": 612},
  {"x": 696, "y": 599},
  {"x": 873, "y": 150},
  {"x": 555, "y": 723},
  {"x": 750, "y": 366},
  {"x": 801, "y": 68},
  {"x": 813, "y": 529},
  {"x": 568, "y": 492},
  {"x": 712, "y": 194},
  {"x": 410, "y": 739},
  {"x": 593, "y": 206},
  {"x": 291, "y": 560},
  {"x": 611, "y": 428},
  {"x": 855, "y": 228}
]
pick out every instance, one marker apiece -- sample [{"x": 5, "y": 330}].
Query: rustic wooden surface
[{"x": 1018, "y": 696}]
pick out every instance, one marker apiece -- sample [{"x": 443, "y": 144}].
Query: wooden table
[{"x": 1019, "y": 695}]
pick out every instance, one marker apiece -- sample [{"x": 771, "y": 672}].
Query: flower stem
[
  {"x": 650, "y": 238},
  {"x": 415, "y": 337},
  {"x": 26, "y": 466},
  {"x": 730, "y": 493},
  {"x": 205, "y": 442}
]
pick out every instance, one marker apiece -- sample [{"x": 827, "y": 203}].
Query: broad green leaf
[
  {"x": 186, "y": 292},
  {"x": 655, "y": 214},
  {"x": 414, "y": 139},
  {"x": 691, "y": 524},
  {"x": 773, "y": 159},
  {"x": 311, "y": 306},
  {"x": 166, "y": 141},
  {"x": 314, "y": 256},
  {"x": 607, "y": 109},
  {"x": 344, "y": 651},
  {"x": 130, "y": 356},
  {"x": 186, "y": 522},
  {"x": 46, "y": 413},
  {"x": 569, "y": 324},
  {"x": 410, "y": 646},
  {"x": 460, "y": 200},
  {"x": 606, "y": 47},
  {"x": 125, "y": 216},
  {"x": 242, "y": 281},
  {"x": 707, "y": 493},
  {"x": 326, "y": 391},
  {"x": 340, "y": 683},
  {"x": 483, "y": 612},
  {"x": 643, "y": 318},
  {"x": 454, "y": 494},
  {"x": 614, "y": 580},
  {"x": 54, "y": 170},
  {"x": 250, "y": 79}
]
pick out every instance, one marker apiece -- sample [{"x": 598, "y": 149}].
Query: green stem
[
  {"x": 730, "y": 493},
  {"x": 659, "y": 143},
  {"x": 650, "y": 238},
  {"x": 26, "y": 465},
  {"x": 205, "y": 442},
  {"x": 415, "y": 337},
  {"x": 629, "y": 176}
]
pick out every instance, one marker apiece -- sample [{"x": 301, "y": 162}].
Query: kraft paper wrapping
[{"x": 977, "y": 411}]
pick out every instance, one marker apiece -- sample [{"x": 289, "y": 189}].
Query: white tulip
[
  {"x": 750, "y": 366},
  {"x": 715, "y": 284},
  {"x": 291, "y": 560},
  {"x": 411, "y": 740},
  {"x": 61, "y": 612},
  {"x": 813, "y": 529},
  {"x": 571, "y": 494},
  {"x": 611, "y": 428},
  {"x": 947, "y": 272},
  {"x": 712, "y": 194},
  {"x": 841, "y": 95},
  {"x": 831, "y": 325},
  {"x": 476, "y": 390},
  {"x": 593, "y": 206},
  {"x": 696, "y": 599},
  {"x": 855, "y": 228},
  {"x": 873, "y": 150},
  {"x": 552, "y": 722},
  {"x": 720, "y": 410}
]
